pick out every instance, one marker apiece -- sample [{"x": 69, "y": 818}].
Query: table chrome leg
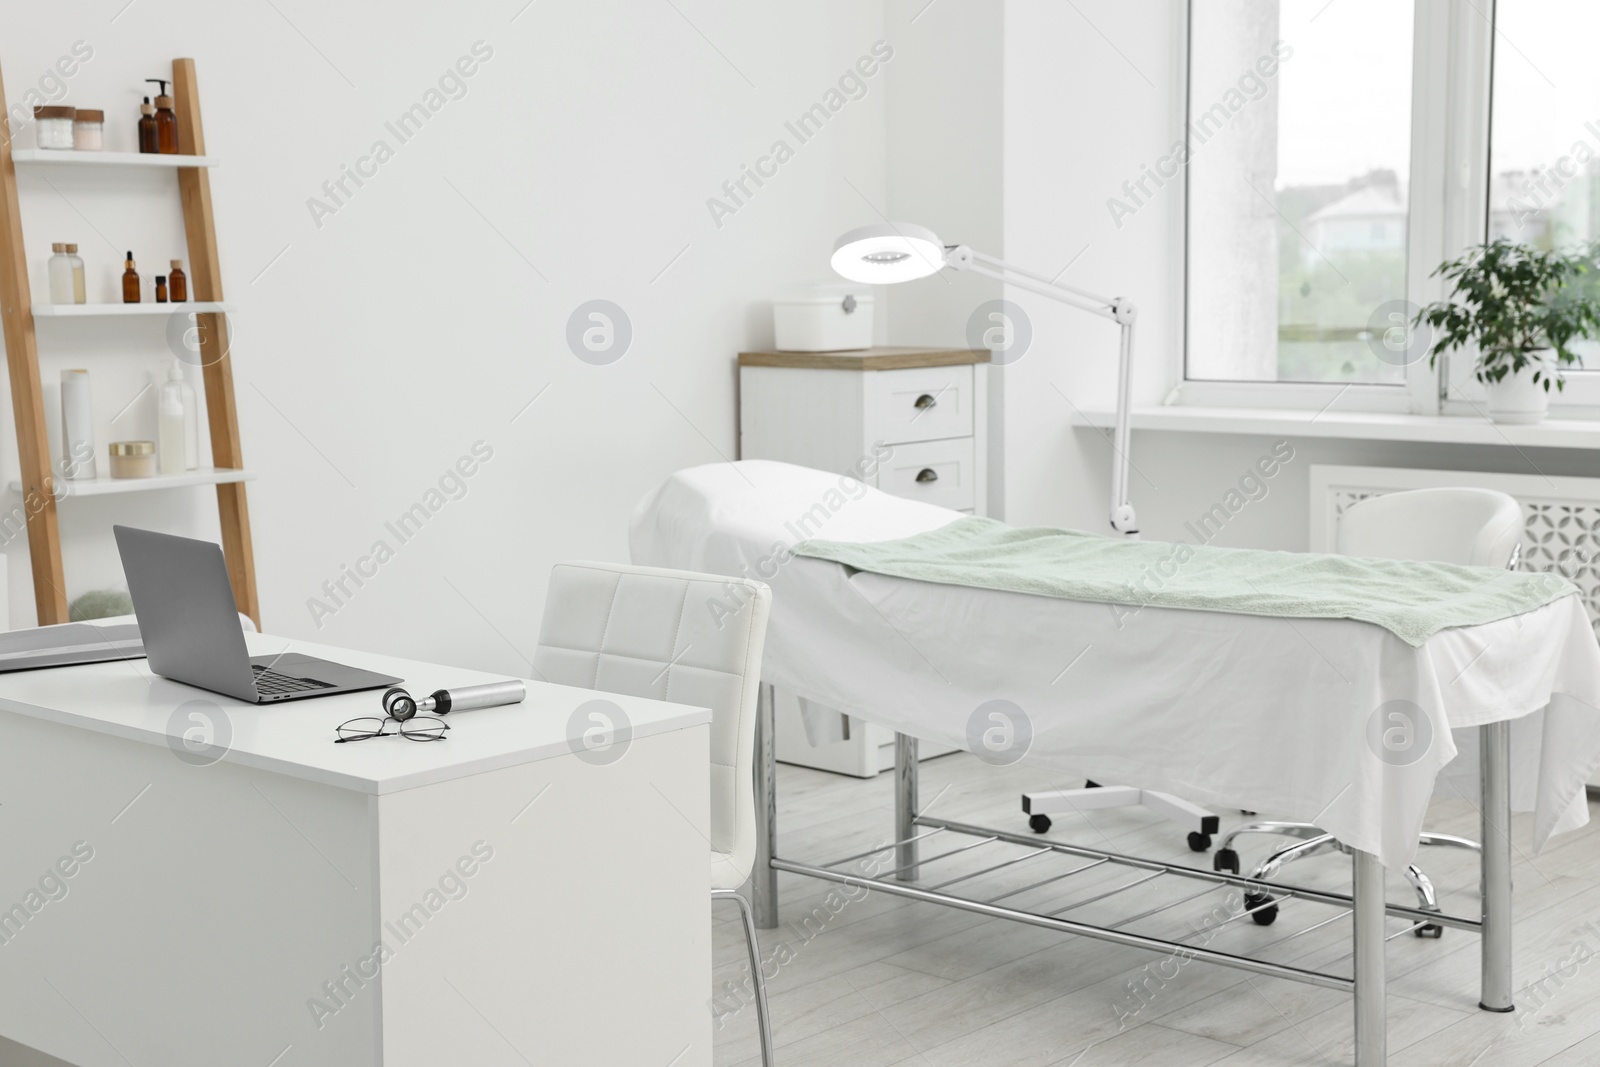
[
  {"x": 1371, "y": 1001},
  {"x": 763, "y": 879},
  {"x": 905, "y": 806},
  {"x": 1494, "y": 770}
]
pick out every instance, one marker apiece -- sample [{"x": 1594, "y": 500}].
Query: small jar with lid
[
  {"x": 133, "y": 459},
  {"x": 89, "y": 130},
  {"x": 54, "y": 126}
]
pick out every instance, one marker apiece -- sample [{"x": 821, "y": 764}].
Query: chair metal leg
[
  {"x": 1427, "y": 898},
  {"x": 763, "y": 879},
  {"x": 1270, "y": 866},
  {"x": 1494, "y": 772},
  {"x": 1372, "y": 1013},
  {"x": 1285, "y": 829},
  {"x": 905, "y": 806},
  {"x": 757, "y": 979},
  {"x": 1450, "y": 840}
]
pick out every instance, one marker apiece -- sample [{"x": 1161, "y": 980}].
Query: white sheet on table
[
  {"x": 823, "y": 726},
  {"x": 1266, "y": 714}
]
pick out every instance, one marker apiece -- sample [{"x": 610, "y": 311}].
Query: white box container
[{"x": 823, "y": 318}]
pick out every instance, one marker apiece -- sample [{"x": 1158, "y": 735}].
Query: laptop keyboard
[{"x": 269, "y": 683}]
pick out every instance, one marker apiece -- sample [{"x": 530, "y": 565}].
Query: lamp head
[{"x": 888, "y": 252}]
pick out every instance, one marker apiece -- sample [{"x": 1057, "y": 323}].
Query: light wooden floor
[{"x": 881, "y": 981}]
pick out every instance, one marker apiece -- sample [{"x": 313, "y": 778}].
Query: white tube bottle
[
  {"x": 177, "y": 427},
  {"x": 77, "y": 426}
]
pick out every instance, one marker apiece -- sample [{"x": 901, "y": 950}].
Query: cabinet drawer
[
  {"x": 938, "y": 472},
  {"x": 918, "y": 404}
]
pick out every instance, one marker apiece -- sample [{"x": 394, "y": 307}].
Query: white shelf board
[
  {"x": 103, "y": 486},
  {"x": 74, "y": 158},
  {"x": 1355, "y": 425},
  {"x": 95, "y": 311}
]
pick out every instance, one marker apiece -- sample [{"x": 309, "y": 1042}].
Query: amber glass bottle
[
  {"x": 166, "y": 126},
  {"x": 149, "y": 137},
  {"x": 161, "y": 288},
  {"x": 130, "y": 282},
  {"x": 178, "y": 282},
  {"x": 166, "y": 120}
]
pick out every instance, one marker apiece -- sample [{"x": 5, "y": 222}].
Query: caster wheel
[
  {"x": 1266, "y": 916},
  {"x": 1433, "y": 930},
  {"x": 1226, "y": 859},
  {"x": 1199, "y": 842},
  {"x": 1090, "y": 783},
  {"x": 1039, "y": 824}
]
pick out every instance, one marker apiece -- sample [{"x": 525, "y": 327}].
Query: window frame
[
  {"x": 1459, "y": 391},
  {"x": 1451, "y": 107}
]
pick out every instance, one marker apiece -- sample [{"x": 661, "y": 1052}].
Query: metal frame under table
[{"x": 1366, "y": 903}]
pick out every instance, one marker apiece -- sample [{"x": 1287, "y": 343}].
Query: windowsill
[{"x": 1360, "y": 425}]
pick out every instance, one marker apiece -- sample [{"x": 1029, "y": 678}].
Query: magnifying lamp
[{"x": 888, "y": 252}]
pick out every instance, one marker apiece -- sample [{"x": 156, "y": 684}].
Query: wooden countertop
[{"x": 886, "y": 358}]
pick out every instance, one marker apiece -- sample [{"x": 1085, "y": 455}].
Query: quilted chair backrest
[{"x": 670, "y": 635}]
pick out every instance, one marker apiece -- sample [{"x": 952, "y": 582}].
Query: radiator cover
[{"x": 1562, "y": 532}]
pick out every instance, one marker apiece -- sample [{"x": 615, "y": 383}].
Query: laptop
[
  {"x": 191, "y": 629},
  {"x": 68, "y": 644}
]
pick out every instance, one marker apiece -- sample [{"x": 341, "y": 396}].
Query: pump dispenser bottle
[
  {"x": 149, "y": 136},
  {"x": 166, "y": 121}
]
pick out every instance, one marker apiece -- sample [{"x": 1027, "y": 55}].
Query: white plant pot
[{"x": 1517, "y": 399}]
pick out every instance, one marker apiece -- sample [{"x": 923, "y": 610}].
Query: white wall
[
  {"x": 1081, "y": 116},
  {"x": 427, "y": 311},
  {"x": 1093, "y": 91},
  {"x": 945, "y": 155}
]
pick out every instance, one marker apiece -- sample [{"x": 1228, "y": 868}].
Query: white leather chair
[
  {"x": 649, "y": 632},
  {"x": 1472, "y": 527}
]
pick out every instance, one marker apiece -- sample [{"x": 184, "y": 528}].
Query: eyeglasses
[{"x": 416, "y": 728}]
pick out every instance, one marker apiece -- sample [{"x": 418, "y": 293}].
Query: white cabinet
[{"x": 920, "y": 413}]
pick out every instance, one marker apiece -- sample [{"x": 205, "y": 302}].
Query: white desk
[{"x": 224, "y": 901}]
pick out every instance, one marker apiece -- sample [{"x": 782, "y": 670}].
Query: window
[
  {"x": 1544, "y": 144},
  {"x": 1298, "y": 198},
  {"x": 1336, "y": 153}
]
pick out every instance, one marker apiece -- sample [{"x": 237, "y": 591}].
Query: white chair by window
[
  {"x": 691, "y": 639},
  {"x": 1473, "y": 527}
]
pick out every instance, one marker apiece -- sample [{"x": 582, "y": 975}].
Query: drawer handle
[
  {"x": 926, "y": 401},
  {"x": 927, "y": 474}
]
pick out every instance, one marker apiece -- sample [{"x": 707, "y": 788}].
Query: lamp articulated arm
[{"x": 1119, "y": 310}]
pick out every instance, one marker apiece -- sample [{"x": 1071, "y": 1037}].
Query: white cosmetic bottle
[
  {"x": 177, "y": 427},
  {"x": 60, "y": 271},
  {"x": 77, "y": 426}
]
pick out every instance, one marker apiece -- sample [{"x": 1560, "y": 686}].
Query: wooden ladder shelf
[{"x": 211, "y": 327}]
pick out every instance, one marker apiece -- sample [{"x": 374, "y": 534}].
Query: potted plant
[{"x": 1521, "y": 308}]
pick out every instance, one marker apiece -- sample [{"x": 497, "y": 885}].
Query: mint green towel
[{"x": 1411, "y": 600}]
